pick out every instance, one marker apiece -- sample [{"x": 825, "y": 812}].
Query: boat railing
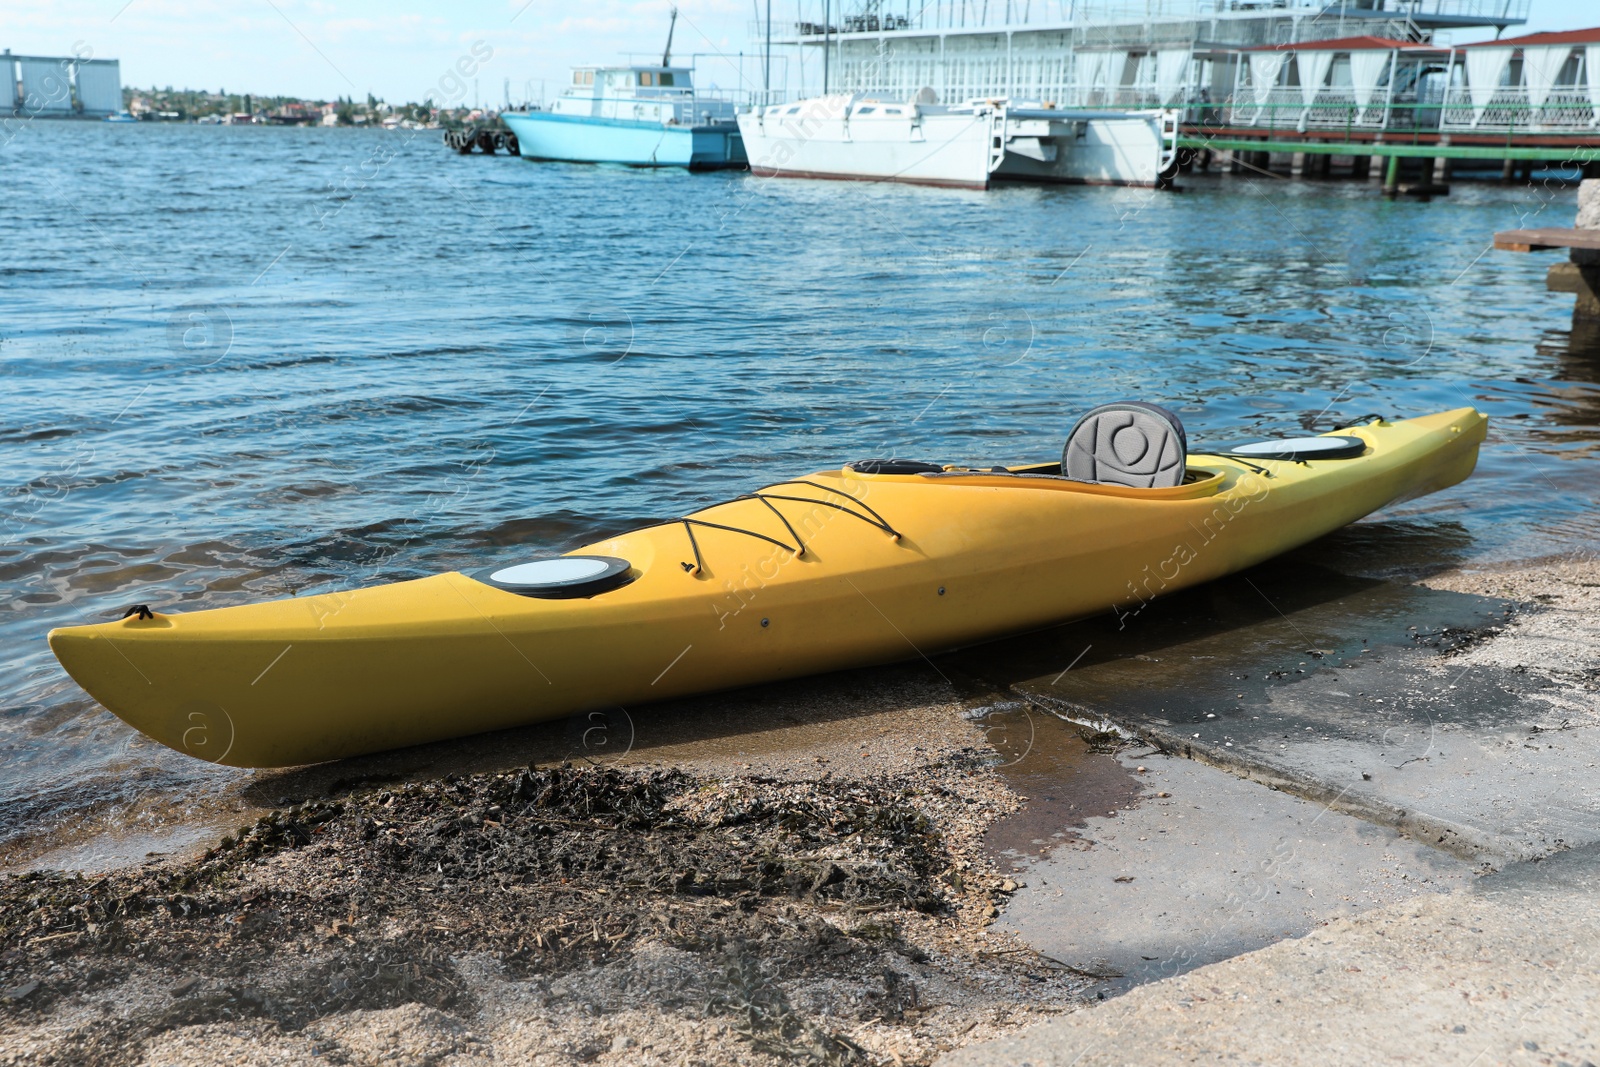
[
  {"x": 688, "y": 107},
  {"x": 1335, "y": 18},
  {"x": 1286, "y": 109},
  {"x": 714, "y": 104},
  {"x": 1565, "y": 110},
  {"x": 654, "y": 96}
]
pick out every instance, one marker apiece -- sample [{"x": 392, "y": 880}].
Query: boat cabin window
[
  {"x": 583, "y": 77},
  {"x": 665, "y": 79},
  {"x": 893, "y": 111},
  {"x": 647, "y": 77},
  {"x": 865, "y": 110},
  {"x": 794, "y": 110}
]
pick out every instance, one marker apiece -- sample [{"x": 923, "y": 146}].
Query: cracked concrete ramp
[
  {"x": 1506, "y": 972},
  {"x": 1436, "y": 713}
]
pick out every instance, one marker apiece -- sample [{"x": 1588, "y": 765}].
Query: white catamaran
[{"x": 865, "y": 137}]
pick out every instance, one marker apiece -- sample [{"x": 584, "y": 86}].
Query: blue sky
[
  {"x": 396, "y": 50},
  {"x": 403, "y": 50}
]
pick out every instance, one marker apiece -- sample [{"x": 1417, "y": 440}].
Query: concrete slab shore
[
  {"x": 1463, "y": 716},
  {"x": 1465, "y": 720},
  {"x": 1501, "y": 973},
  {"x": 1205, "y": 866}
]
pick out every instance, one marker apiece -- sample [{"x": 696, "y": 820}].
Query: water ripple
[{"x": 233, "y": 371}]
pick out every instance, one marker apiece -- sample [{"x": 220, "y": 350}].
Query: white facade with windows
[
  {"x": 1089, "y": 53},
  {"x": 51, "y": 86}
]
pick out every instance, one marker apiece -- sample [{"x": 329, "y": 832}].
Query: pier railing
[
  {"x": 1337, "y": 17},
  {"x": 1567, "y": 110}
]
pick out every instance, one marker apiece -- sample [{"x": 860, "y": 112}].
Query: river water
[{"x": 237, "y": 363}]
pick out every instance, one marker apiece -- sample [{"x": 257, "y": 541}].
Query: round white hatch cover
[
  {"x": 1303, "y": 448},
  {"x": 559, "y": 578},
  {"x": 548, "y": 571}
]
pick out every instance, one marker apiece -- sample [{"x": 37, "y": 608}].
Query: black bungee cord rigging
[{"x": 871, "y": 518}]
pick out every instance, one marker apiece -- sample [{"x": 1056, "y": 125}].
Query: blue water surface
[{"x": 237, "y": 363}]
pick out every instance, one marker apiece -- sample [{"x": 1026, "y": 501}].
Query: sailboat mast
[
  {"x": 666, "y": 55},
  {"x": 827, "y": 41}
]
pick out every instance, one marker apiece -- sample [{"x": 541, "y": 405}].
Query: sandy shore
[
  {"x": 813, "y": 891},
  {"x": 672, "y": 907}
]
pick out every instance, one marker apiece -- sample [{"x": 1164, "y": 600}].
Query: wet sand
[{"x": 816, "y": 891}]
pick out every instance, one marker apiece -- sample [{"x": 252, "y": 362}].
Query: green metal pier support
[
  {"x": 1393, "y": 152},
  {"x": 1391, "y": 176}
]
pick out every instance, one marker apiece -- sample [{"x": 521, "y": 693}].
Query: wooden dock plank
[{"x": 1541, "y": 240}]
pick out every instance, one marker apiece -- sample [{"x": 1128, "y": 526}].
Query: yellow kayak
[{"x": 837, "y": 569}]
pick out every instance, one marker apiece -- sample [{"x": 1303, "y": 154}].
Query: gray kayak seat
[{"x": 1132, "y": 443}]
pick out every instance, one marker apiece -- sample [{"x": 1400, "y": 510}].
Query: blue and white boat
[{"x": 644, "y": 116}]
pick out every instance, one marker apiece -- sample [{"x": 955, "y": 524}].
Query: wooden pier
[
  {"x": 1543, "y": 240},
  {"x": 1580, "y": 276},
  {"x": 1373, "y": 157}
]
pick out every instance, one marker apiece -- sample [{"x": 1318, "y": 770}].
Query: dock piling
[
  {"x": 1583, "y": 282},
  {"x": 1391, "y": 176},
  {"x": 1581, "y": 275},
  {"x": 1583, "y": 272}
]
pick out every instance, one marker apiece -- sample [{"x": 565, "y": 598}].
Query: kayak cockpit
[
  {"x": 1129, "y": 449},
  {"x": 1197, "y": 481}
]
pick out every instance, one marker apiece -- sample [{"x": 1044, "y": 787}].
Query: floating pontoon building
[
  {"x": 1264, "y": 82},
  {"x": 1538, "y": 84},
  {"x": 1092, "y": 53},
  {"x": 59, "y": 87}
]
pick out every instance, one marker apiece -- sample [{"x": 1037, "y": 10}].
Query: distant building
[
  {"x": 293, "y": 113},
  {"x": 59, "y": 86}
]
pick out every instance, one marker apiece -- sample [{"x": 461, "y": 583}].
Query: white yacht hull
[
  {"x": 824, "y": 140},
  {"x": 972, "y": 145},
  {"x": 1087, "y": 148}
]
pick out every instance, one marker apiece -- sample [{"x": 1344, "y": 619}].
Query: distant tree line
[{"x": 190, "y": 104}]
